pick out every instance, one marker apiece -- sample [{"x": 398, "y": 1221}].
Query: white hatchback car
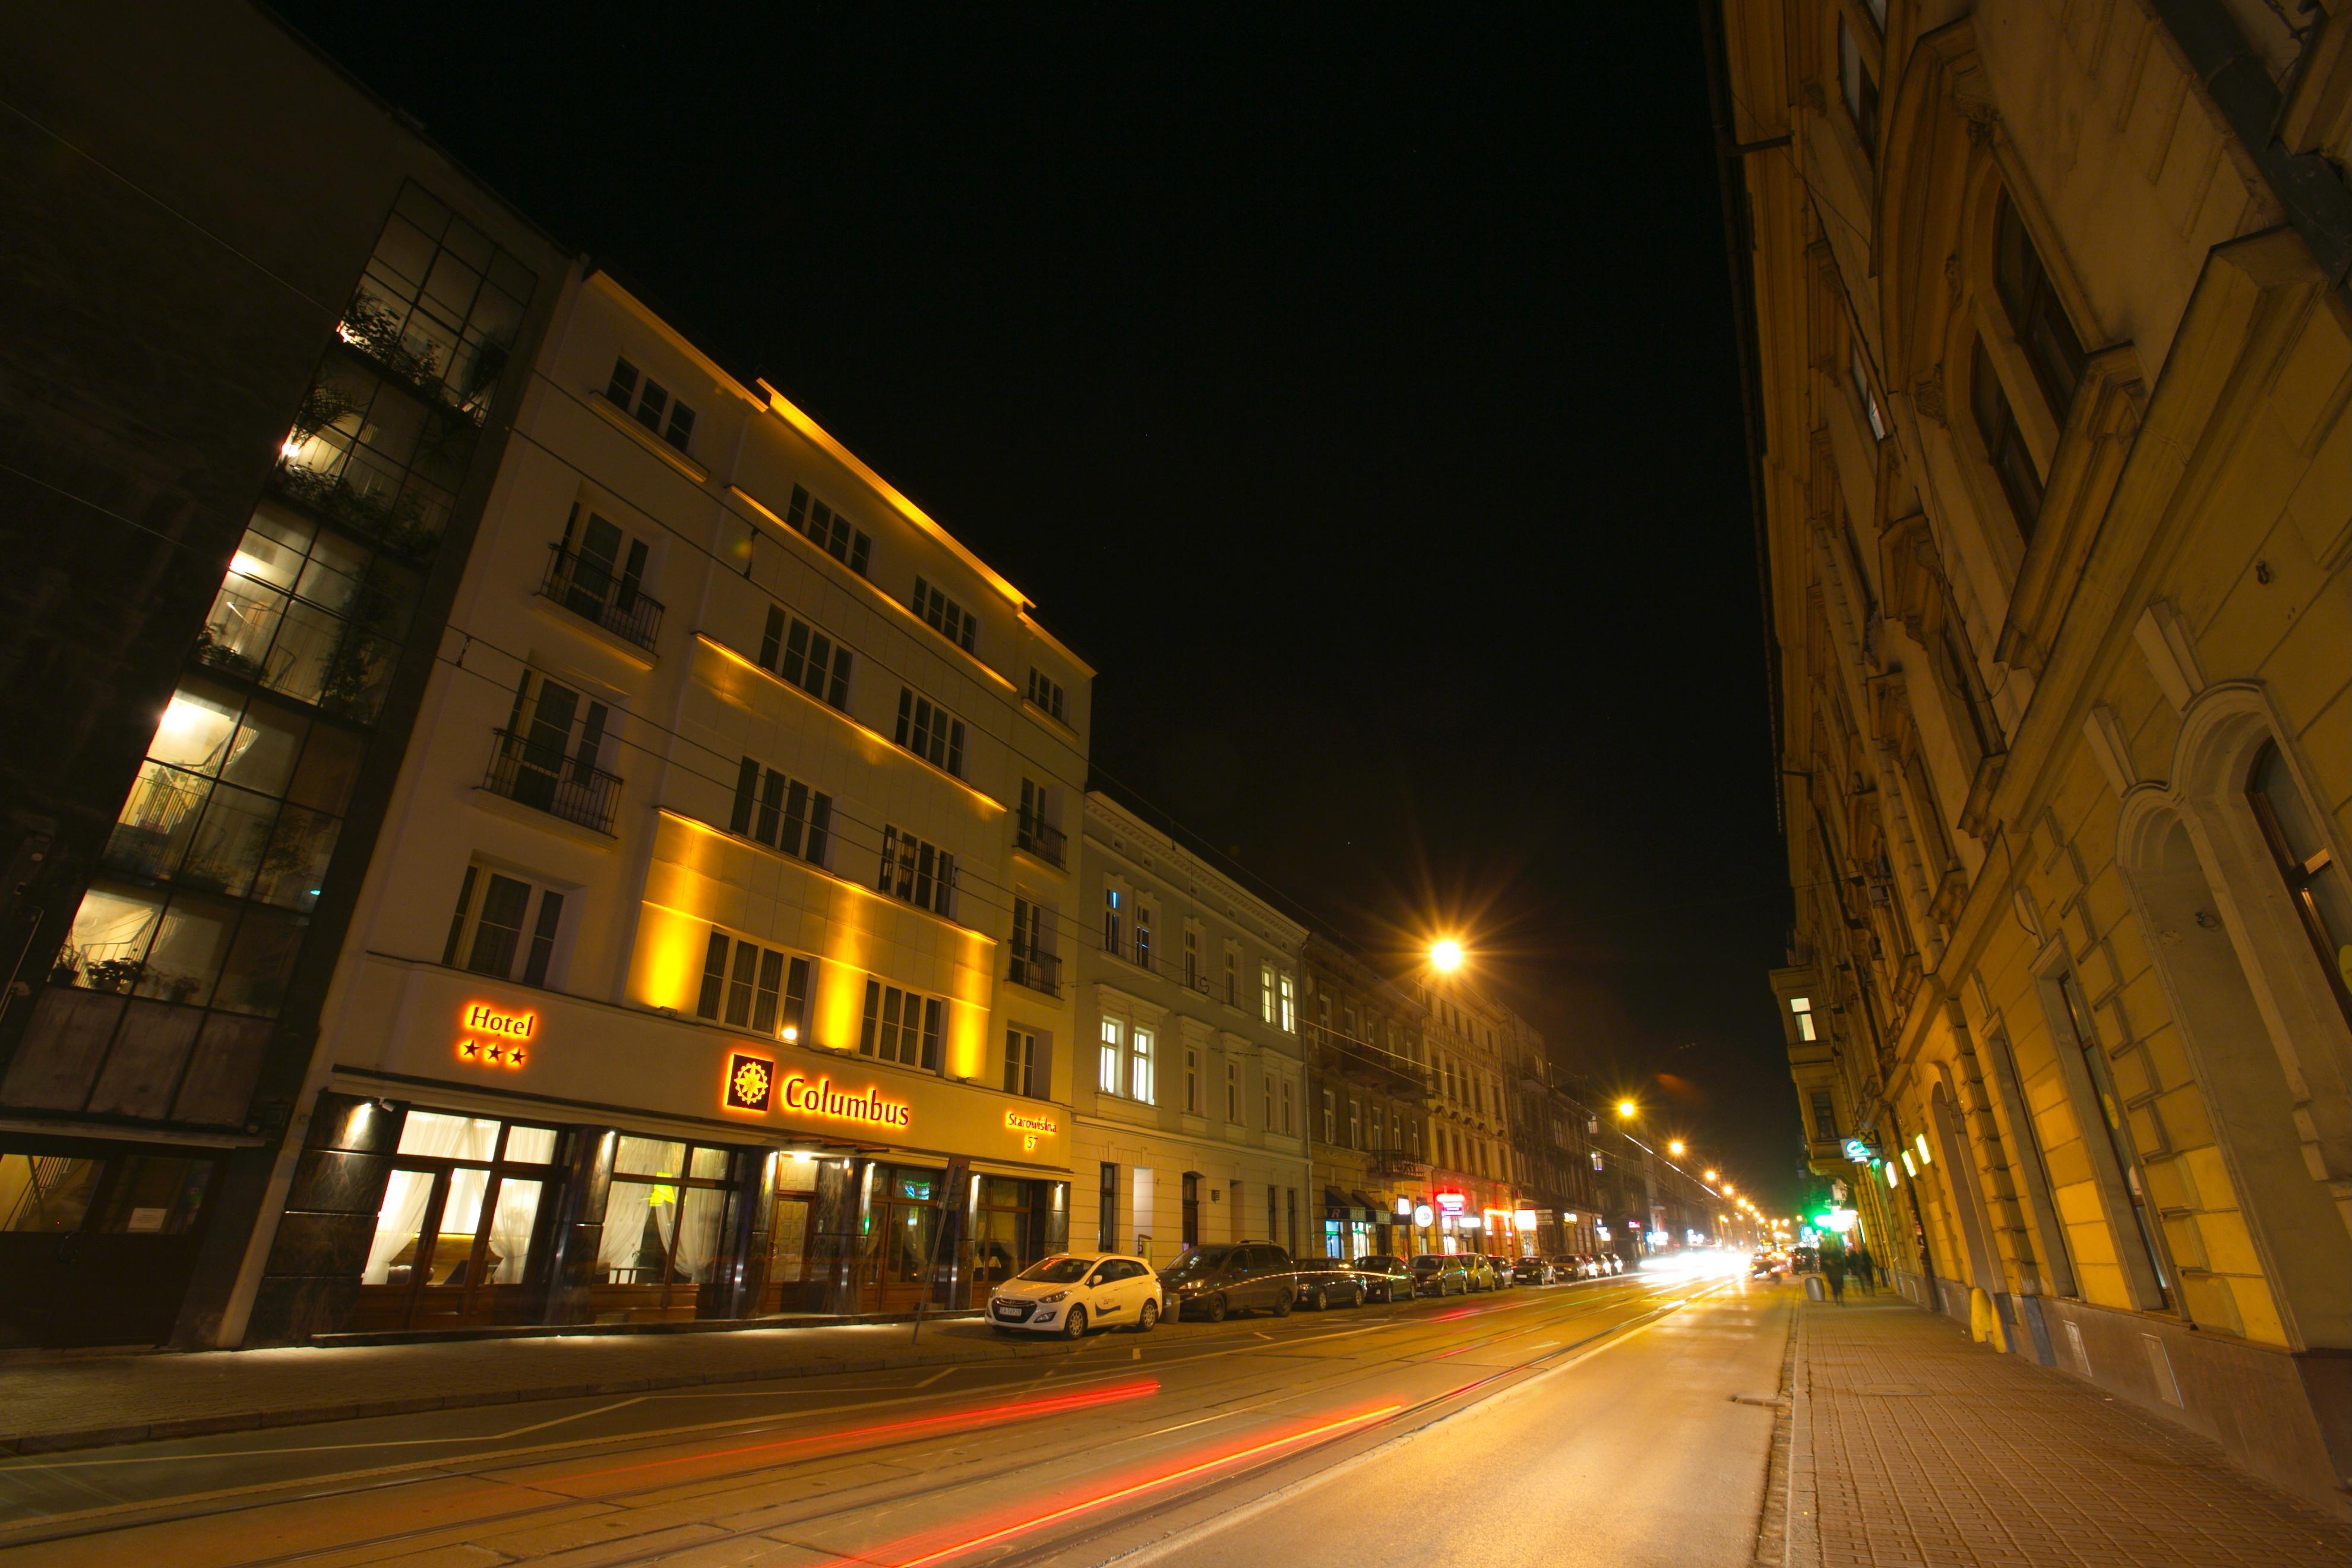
[{"x": 1071, "y": 1292}]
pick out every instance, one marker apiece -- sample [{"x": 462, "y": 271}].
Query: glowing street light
[
  {"x": 1729, "y": 1191},
  {"x": 1711, "y": 1176},
  {"x": 1625, "y": 1107},
  {"x": 1676, "y": 1147},
  {"x": 1446, "y": 955}
]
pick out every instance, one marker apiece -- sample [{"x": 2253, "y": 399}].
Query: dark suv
[{"x": 1229, "y": 1276}]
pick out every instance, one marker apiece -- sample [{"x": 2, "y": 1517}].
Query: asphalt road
[{"x": 1593, "y": 1423}]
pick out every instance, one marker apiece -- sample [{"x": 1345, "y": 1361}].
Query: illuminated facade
[
  {"x": 1190, "y": 1115},
  {"x": 256, "y": 401},
  {"x": 2049, "y": 429},
  {"x": 715, "y": 972},
  {"x": 1470, "y": 1123},
  {"x": 1368, "y": 1052}
]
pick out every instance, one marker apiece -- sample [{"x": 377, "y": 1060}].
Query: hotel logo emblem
[{"x": 750, "y": 1081}]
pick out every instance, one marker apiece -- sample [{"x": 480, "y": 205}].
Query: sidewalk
[
  {"x": 94, "y": 1402},
  {"x": 1910, "y": 1446}
]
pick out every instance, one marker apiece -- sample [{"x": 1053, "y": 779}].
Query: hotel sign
[
  {"x": 752, "y": 1084},
  {"x": 493, "y": 1038}
]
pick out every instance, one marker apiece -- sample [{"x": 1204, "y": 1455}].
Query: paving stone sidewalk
[
  {"x": 95, "y": 1401},
  {"x": 1913, "y": 1447}
]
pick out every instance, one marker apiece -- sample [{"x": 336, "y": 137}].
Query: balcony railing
[
  {"x": 1037, "y": 971},
  {"x": 1039, "y": 838},
  {"x": 1389, "y": 1163},
  {"x": 589, "y": 589},
  {"x": 535, "y": 773}
]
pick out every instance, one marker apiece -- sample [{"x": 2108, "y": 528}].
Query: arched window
[
  {"x": 2012, "y": 460},
  {"x": 2314, "y": 880}
]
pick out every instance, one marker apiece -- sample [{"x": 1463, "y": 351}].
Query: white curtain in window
[
  {"x": 697, "y": 1232},
  {"x": 630, "y": 1203},
  {"x": 510, "y": 1227},
  {"x": 402, "y": 1213}
]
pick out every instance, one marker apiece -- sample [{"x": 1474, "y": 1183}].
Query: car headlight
[{"x": 1049, "y": 1300}]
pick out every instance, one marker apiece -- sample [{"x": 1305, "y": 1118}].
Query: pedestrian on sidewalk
[
  {"x": 1833, "y": 1269},
  {"x": 1865, "y": 1267}
]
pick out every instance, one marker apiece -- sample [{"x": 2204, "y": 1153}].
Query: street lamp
[
  {"x": 1625, "y": 1107},
  {"x": 1710, "y": 1175},
  {"x": 1446, "y": 956},
  {"x": 1676, "y": 1147}
]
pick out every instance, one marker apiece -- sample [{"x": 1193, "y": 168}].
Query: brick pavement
[
  {"x": 1913, "y": 1447},
  {"x": 48, "y": 1403}
]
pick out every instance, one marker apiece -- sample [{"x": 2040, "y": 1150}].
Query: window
[
  {"x": 1026, "y": 1069},
  {"x": 1802, "y": 1008},
  {"x": 1266, "y": 1100},
  {"x": 1192, "y": 1081},
  {"x": 1191, "y": 959},
  {"x": 2012, "y": 463},
  {"x": 1139, "y": 1084},
  {"x": 666, "y": 416},
  {"x": 944, "y": 616},
  {"x": 900, "y": 1026},
  {"x": 930, "y": 732},
  {"x": 1286, "y": 1002},
  {"x": 2037, "y": 317},
  {"x": 1290, "y": 1122},
  {"x": 919, "y": 873},
  {"x": 1233, "y": 978},
  {"x": 599, "y": 572},
  {"x": 547, "y": 755},
  {"x": 1273, "y": 1212},
  {"x": 781, "y": 813},
  {"x": 2315, "y": 882},
  {"x": 1031, "y": 964},
  {"x": 1825, "y": 1126},
  {"x": 747, "y": 986},
  {"x": 829, "y": 530},
  {"x": 1110, "y": 1065},
  {"x": 1233, "y": 1091},
  {"x": 1033, "y": 828},
  {"x": 1107, "y": 1208},
  {"x": 500, "y": 919},
  {"x": 1330, "y": 1120},
  {"x": 1860, "y": 91},
  {"x": 1045, "y": 695},
  {"x": 1143, "y": 935},
  {"x": 804, "y": 657},
  {"x": 1265, "y": 993},
  {"x": 1860, "y": 374},
  {"x": 1355, "y": 1123},
  {"x": 1113, "y": 921},
  {"x": 2076, "y": 1021},
  {"x": 1290, "y": 1217}
]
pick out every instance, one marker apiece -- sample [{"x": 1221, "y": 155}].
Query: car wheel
[
  {"x": 1358, "y": 1298},
  {"x": 1322, "y": 1298},
  {"x": 1147, "y": 1318},
  {"x": 1217, "y": 1308},
  {"x": 1282, "y": 1305},
  {"x": 1075, "y": 1326}
]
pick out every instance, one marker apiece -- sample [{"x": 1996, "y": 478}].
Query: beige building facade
[
  {"x": 1189, "y": 1124},
  {"x": 708, "y": 977},
  {"x": 2051, "y": 368}
]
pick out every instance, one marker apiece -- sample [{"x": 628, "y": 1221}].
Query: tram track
[{"x": 1205, "y": 1400}]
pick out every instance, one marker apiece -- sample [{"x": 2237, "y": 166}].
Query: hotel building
[
  {"x": 1192, "y": 1122},
  {"x": 712, "y": 976}
]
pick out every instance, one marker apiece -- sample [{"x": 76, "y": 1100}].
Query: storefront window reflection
[
  {"x": 662, "y": 1223},
  {"x": 453, "y": 1237}
]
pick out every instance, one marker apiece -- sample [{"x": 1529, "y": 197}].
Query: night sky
[{"x": 1356, "y": 390}]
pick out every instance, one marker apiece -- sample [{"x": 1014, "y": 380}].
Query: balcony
[
  {"x": 588, "y": 589},
  {"x": 1403, "y": 1167},
  {"x": 1040, "y": 838},
  {"x": 1038, "y": 971},
  {"x": 532, "y": 772}
]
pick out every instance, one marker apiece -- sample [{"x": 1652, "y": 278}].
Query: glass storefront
[
  {"x": 96, "y": 1241},
  {"x": 789, "y": 1288},
  {"x": 454, "y": 1234},
  {"x": 663, "y": 1220}
]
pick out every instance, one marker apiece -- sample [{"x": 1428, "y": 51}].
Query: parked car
[
  {"x": 1229, "y": 1276},
  {"x": 1071, "y": 1292},
  {"x": 1320, "y": 1281},
  {"x": 1502, "y": 1266},
  {"x": 1442, "y": 1274},
  {"x": 1615, "y": 1260},
  {"x": 1481, "y": 1269},
  {"x": 1387, "y": 1277},
  {"x": 1534, "y": 1272}
]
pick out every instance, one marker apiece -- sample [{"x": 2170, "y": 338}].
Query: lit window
[
  {"x": 1803, "y": 1007},
  {"x": 1139, "y": 1061},
  {"x": 1287, "y": 991},
  {"x": 1106, "y": 1077}
]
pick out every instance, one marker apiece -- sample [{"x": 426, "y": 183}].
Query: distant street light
[
  {"x": 1711, "y": 1176},
  {"x": 1625, "y": 1107},
  {"x": 1676, "y": 1148},
  {"x": 1446, "y": 956}
]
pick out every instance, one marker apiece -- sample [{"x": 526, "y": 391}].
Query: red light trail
[{"x": 1117, "y": 1494}]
